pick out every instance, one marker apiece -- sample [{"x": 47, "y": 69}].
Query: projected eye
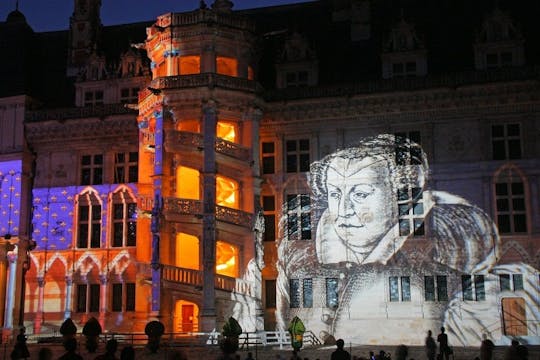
[
  {"x": 361, "y": 193},
  {"x": 334, "y": 194}
]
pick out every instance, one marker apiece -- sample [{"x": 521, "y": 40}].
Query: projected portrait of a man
[{"x": 383, "y": 239}]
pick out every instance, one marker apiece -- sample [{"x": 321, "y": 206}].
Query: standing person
[
  {"x": 340, "y": 353},
  {"x": 444, "y": 350},
  {"x": 431, "y": 346},
  {"x": 21, "y": 349},
  {"x": 110, "y": 351},
  {"x": 512, "y": 352},
  {"x": 71, "y": 347},
  {"x": 486, "y": 348}
]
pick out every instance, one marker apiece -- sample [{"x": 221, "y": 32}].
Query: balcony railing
[
  {"x": 99, "y": 111},
  {"x": 195, "y": 278},
  {"x": 194, "y": 207},
  {"x": 175, "y": 138},
  {"x": 204, "y": 80}
]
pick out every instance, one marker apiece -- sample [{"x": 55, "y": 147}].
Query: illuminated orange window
[
  {"x": 189, "y": 125},
  {"x": 227, "y": 66},
  {"x": 226, "y": 130},
  {"x": 187, "y": 251},
  {"x": 190, "y": 65},
  {"x": 226, "y": 259},
  {"x": 227, "y": 192},
  {"x": 250, "y": 73},
  {"x": 187, "y": 183}
]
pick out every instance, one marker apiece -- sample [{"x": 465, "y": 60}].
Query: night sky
[{"x": 50, "y": 15}]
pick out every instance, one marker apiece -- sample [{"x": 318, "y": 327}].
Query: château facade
[{"x": 159, "y": 170}]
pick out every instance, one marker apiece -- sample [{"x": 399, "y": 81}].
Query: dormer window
[
  {"x": 404, "y": 55},
  {"x": 297, "y": 66},
  {"x": 499, "y": 43}
]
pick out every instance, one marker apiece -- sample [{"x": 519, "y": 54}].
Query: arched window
[
  {"x": 123, "y": 219},
  {"x": 89, "y": 220},
  {"x": 510, "y": 201},
  {"x": 187, "y": 251}
]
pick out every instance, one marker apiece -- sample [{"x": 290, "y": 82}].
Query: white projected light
[{"x": 391, "y": 258}]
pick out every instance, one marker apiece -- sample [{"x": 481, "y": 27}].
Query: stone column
[
  {"x": 69, "y": 297},
  {"x": 102, "y": 300},
  {"x": 208, "y": 311},
  {"x": 5, "y": 246},
  {"x": 39, "y": 312},
  {"x": 10, "y": 296}
]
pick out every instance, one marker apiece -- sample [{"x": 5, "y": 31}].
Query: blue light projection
[
  {"x": 10, "y": 197},
  {"x": 54, "y": 213}
]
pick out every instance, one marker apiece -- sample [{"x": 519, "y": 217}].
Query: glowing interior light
[
  {"x": 226, "y": 131},
  {"x": 187, "y": 183},
  {"x": 227, "y": 66},
  {"x": 226, "y": 259},
  {"x": 187, "y": 251},
  {"x": 189, "y": 125},
  {"x": 190, "y": 65},
  {"x": 226, "y": 192}
]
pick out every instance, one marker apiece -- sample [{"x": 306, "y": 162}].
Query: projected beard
[{"x": 359, "y": 212}]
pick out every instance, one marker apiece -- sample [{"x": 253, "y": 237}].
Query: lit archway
[
  {"x": 227, "y": 192},
  {"x": 227, "y": 130}
]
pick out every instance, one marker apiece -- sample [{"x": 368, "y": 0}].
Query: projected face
[{"x": 359, "y": 200}]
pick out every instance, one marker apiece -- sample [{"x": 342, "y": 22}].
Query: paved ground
[{"x": 268, "y": 353}]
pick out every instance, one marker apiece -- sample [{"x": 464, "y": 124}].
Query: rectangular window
[
  {"x": 442, "y": 288},
  {"x": 411, "y": 211},
  {"x": 270, "y": 294},
  {"x": 404, "y": 70},
  {"x": 92, "y": 169},
  {"x": 393, "y": 286},
  {"x": 332, "y": 293},
  {"x": 466, "y": 287},
  {"x": 429, "y": 288},
  {"x": 81, "y": 297},
  {"x": 512, "y": 282},
  {"x": 479, "y": 289},
  {"x": 269, "y": 209},
  {"x": 126, "y": 167},
  {"x": 268, "y": 158},
  {"x": 124, "y": 224},
  {"x": 506, "y": 141},
  {"x": 298, "y": 217},
  {"x": 297, "y": 155},
  {"x": 117, "y": 297},
  {"x": 307, "y": 292},
  {"x": 473, "y": 287},
  {"x": 511, "y": 210},
  {"x": 92, "y": 98},
  {"x": 130, "y": 296},
  {"x": 296, "y": 79},
  {"x": 129, "y": 95},
  {"x": 89, "y": 226},
  {"x": 435, "y": 288},
  {"x": 294, "y": 291},
  {"x": 399, "y": 288},
  {"x": 123, "y": 295}
]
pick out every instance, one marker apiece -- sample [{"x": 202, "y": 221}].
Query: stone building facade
[{"x": 145, "y": 175}]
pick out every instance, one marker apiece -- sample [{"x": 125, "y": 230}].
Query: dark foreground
[{"x": 264, "y": 353}]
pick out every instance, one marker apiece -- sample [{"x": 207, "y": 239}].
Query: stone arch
[
  {"x": 87, "y": 262},
  {"x": 120, "y": 263}
]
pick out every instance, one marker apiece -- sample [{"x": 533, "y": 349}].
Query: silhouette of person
[
  {"x": 431, "y": 346},
  {"x": 486, "y": 348},
  {"x": 340, "y": 353},
  {"x": 71, "y": 347},
  {"x": 444, "y": 349}
]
